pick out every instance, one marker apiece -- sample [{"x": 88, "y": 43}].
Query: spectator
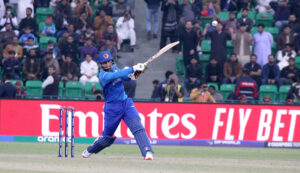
[
  {"x": 11, "y": 66},
  {"x": 30, "y": 22},
  {"x": 188, "y": 41},
  {"x": 286, "y": 37},
  {"x": 31, "y": 66},
  {"x": 24, "y": 37},
  {"x": 47, "y": 62},
  {"x": 282, "y": 12},
  {"x": 294, "y": 92},
  {"x": 232, "y": 70},
  {"x": 163, "y": 85},
  {"x": 288, "y": 74},
  {"x": 187, "y": 12},
  {"x": 155, "y": 92},
  {"x": 62, "y": 22},
  {"x": 294, "y": 24},
  {"x": 6, "y": 36},
  {"x": 101, "y": 23},
  {"x": 125, "y": 30},
  {"x": 69, "y": 70},
  {"x": 22, "y": 7},
  {"x": 198, "y": 31},
  {"x": 245, "y": 4},
  {"x": 262, "y": 45},
  {"x": 230, "y": 24},
  {"x": 228, "y": 5},
  {"x": 49, "y": 30},
  {"x": 284, "y": 55},
  {"x": 119, "y": 9},
  {"x": 218, "y": 43},
  {"x": 109, "y": 33},
  {"x": 255, "y": 69},
  {"x": 98, "y": 94},
  {"x": 208, "y": 10},
  {"x": 82, "y": 22},
  {"x": 30, "y": 45},
  {"x": 246, "y": 86},
  {"x": 88, "y": 70},
  {"x": 9, "y": 17},
  {"x": 63, "y": 8},
  {"x": 201, "y": 95},
  {"x": 71, "y": 32},
  {"x": 20, "y": 93},
  {"x": 52, "y": 48},
  {"x": 217, "y": 96},
  {"x": 170, "y": 19},
  {"x": 173, "y": 92},
  {"x": 242, "y": 42},
  {"x": 107, "y": 6},
  {"x": 267, "y": 100},
  {"x": 271, "y": 72},
  {"x": 87, "y": 34},
  {"x": 7, "y": 90},
  {"x": 263, "y": 6},
  {"x": 213, "y": 71},
  {"x": 70, "y": 48},
  {"x": 245, "y": 20},
  {"x": 41, "y": 3},
  {"x": 88, "y": 48},
  {"x": 153, "y": 10},
  {"x": 110, "y": 47},
  {"x": 15, "y": 47},
  {"x": 51, "y": 84},
  {"x": 193, "y": 75},
  {"x": 84, "y": 7},
  {"x": 215, "y": 3}
]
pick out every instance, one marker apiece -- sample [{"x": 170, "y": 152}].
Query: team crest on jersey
[{"x": 105, "y": 55}]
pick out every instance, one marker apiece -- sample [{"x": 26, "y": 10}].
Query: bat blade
[{"x": 161, "y": 51}]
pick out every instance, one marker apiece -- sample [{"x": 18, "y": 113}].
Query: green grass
[{"x": 42, "y": 157}]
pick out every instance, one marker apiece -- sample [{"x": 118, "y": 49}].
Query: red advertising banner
[{"x": 161, "y": 120}]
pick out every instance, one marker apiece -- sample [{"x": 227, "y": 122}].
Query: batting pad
[
  {"x": 139, "y": 132},
  {"x": 101, "y": 143}
]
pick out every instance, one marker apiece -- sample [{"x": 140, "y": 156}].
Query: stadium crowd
[{"x": 247, "y": 43}]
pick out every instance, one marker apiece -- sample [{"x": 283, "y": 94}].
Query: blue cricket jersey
[{"x": 112, "y": 85}]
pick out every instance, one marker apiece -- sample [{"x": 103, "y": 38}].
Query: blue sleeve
[{"x": 107, "y": 77}]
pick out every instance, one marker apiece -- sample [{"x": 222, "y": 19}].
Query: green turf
[{"x": 42, "y": 157}]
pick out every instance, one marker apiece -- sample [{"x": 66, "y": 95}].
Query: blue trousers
[{"x": 155, "y": 13}]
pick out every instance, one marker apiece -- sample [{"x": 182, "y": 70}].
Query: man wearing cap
[{"x": 118, "y": 106}]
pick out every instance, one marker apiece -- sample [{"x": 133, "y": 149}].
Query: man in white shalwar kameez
[{"x": 125, "y": 29}]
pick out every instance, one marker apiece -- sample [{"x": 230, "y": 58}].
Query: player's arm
[{"x": 107, "y": 77}]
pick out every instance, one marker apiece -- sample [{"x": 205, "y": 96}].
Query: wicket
[{"x": 61, "y": 111}]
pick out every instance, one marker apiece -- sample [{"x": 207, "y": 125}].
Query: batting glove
[{"x": 140, "y": 67}]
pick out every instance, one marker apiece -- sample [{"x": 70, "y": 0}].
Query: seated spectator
[
  {"x": 188, "y": 43},
  {"x": 31, "y": 66},
  {"x": 27, "y": 34},
  {"x": 88, "y": 48},
  {"x": 286, "y": 37},
  {"x": 282, "y": 12},
  {"x": 288, "y": 73},
  {"x": 49, "y": 29},
  {"x": 163, "y": 85},
  {"x": 232, "y": 70},
  {"x": 173, "y": 91},
  {"x": 10, "y": 18},
  {"x": 245, "y": 20},
  {"x": 7, "y": 90},
  {"x": 263, "y": 6},
  {"x": 69, "y": 70},
  {"x": 262, "y": 45},
  {"x": 271, "y": 72},
  {"x": 62, "y": 22},
  {"x": 30, "y": 45},
  {"x": 294, "y": 92},
  {"x": 119, "y": 9},
  {"x": 6, "y": 36},
  {"x": 88, "y": 70},
  {"x": 30, "y": 22},
  {"x": 242, "y": 42},
  {"x": 15, "y": 47},
  {"x": 106, "y": 5},
  {"x": 213, "y": 71},
  {"x": 11, "y": 66},
  {"x": 70, "y": 48},
  {"x": 20, "y": 92},
  {"x": 52, "y": 48},
  {"x": 84, "y": 7},
  {"x": 255, "y": 69},
  {"x": 47, "y": 62},
  {"x": 155, "y": 92},
  {"x": 230, "y": 24},
  {"x": 294, "y": 24},
  {"x": 125, "y": 30},
  {"x": 51, "y": 84},
  {"x": 201, "y": 95},
  {"x": 110, "y": 47},
  {"x": 101, "y": 23},
  {"x": 245, "y": 85},
  {"x": 63, "y": 7},
  {"x": 87, "y": 34},
  {"x": 284, "y": 55},
  {"x": 108, "y": 34},
  {"x": 82, "y": 23},
  {"x": 193, "y": 75},
  {"x": 217, "y": 96},
  {"x": 71, "y": 32},
  {"x": 228, "y": 5}
]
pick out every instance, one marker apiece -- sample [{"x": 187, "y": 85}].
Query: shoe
[
  {"x": 149, "y": 156},
  {"x": 149, "y": 35},
  {"x": 155, "y": 36},
  {"x": 86, "y": 154}
]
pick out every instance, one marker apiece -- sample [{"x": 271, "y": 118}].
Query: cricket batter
[{"x": 118, "y": 106}]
